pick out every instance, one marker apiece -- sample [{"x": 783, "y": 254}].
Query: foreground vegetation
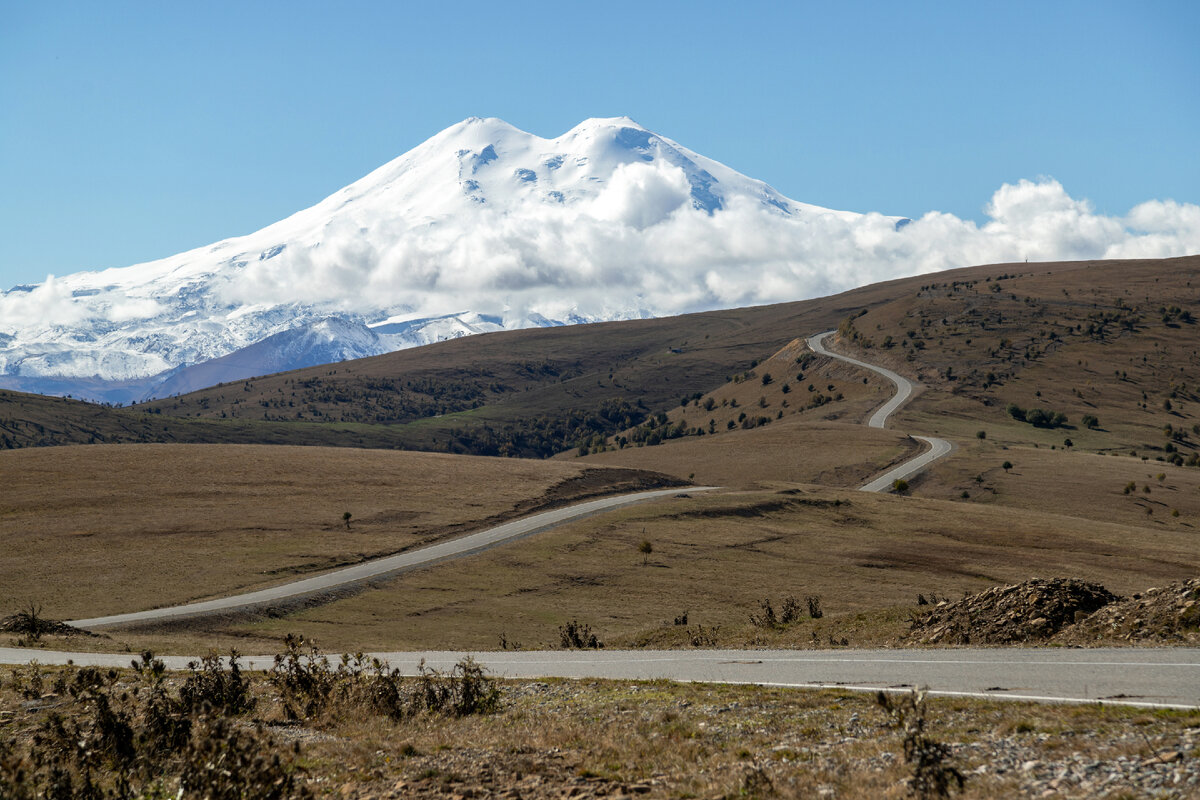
[{"x": 354, "y": 728}]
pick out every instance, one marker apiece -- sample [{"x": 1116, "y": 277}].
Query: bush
[
  {"x": 790, "y": 611},
  {"x": 933, "y": 774},
  {"x": 900, "y": 486},
  {"x": 579, "y": 636},
  {"x": 1090, "y": 422},
  {"x": 104, "y": 742},
  {"x": 814, "y": 607},
  {"x": 767, "y": 618},
  {"x": 213, "y": 686}
]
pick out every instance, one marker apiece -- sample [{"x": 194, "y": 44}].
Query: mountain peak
[
  {"x": 592, "y": 123},
  {"x": 482, "y": 216}
]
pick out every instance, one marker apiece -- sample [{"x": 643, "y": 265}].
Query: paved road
[
  {"x": 384, "y": 567},
  {"x": 1168, "y": 677},
  {"x": 938, "y": 448}
]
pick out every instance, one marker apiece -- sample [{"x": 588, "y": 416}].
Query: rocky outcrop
[
  {"x": 1165, "y": 615},
  {"x": 1028, "y": 612}
]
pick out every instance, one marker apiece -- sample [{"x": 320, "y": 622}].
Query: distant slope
[
  {"x": 979, "y": 338},
  {"x": 531, "y": 392},
  {"x": 1117, "y": 341}
]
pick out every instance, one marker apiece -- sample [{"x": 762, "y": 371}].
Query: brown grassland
[
  {"x": 866, "y": 556},
  {"x": 112, "y": 528}
]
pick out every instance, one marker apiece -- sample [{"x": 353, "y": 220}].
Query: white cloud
[
  {"x": 640, "y": 244},
  {"x": 48, "y": 305}
]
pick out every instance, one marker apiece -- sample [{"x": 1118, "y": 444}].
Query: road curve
[
  {"x": 1148, "y": 677},
  {"x": 384, "y": 567},
  {"x": 938, "y": 448}
]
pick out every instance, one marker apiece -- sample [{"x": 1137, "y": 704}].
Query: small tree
[
  {"x": 645, "y": 548},
  {"x": 981, "y": 434},
  {"x": 900, "y": 486},
  {"x": 346, "y": 519},
  {"x": 1006, "y": 466}
]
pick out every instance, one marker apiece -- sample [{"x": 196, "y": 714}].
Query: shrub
[
  {"x": 210, "y": 684},
  {"x": 767, "y": 618},
  {"x": 814, "y": 606},
  {"x": 105, "y": 742},
  {"x": 1090, "y": 422},
  {"x": 900, "y": 486},
  {"x": 933, "y": 774},
  {"x": 703, "y": 637},
  {"x": 789, "y": 612},
  {"x": 579, "y": 636}
]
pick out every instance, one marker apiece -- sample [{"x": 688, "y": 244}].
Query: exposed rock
[
  {"x": 1032, "y": 611},
  {"x": 1166, "y": 615}
]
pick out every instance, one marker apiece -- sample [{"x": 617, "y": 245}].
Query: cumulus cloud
[
  {"x": 640, "y": 245},
  {"x": 48, "y": 305},
  {"x": 642, "y": 194}
]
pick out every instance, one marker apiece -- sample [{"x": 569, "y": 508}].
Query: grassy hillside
[
  {"x": 138, "y": 526},
  {"x": 526, "y": 393},
  {"x": 714, "y": 557}
]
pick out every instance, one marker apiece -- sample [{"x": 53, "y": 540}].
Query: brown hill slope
[
  {"x": 111, "y": 528},
  {"x": 1115, "y": 341},
  {"x": 532, "y": 392}
]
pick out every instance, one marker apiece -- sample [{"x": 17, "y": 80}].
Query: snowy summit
[{"x": 481, "y": 228}]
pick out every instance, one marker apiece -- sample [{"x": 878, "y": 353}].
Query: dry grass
[
  {"x": 800, "y": 443},
  {"x": 790, "y": 451},
  {"x": 659, "y": 739},
  {"x": 716, "y": 557},
  {"x": 112, "y": 528},
  {"x": 1083, "y": 485}
]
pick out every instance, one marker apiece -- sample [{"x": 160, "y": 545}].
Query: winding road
[
  {"x": 385, "y": 567},
  {"x": 378, "y": 569},
  {"x": 938, "y": 448},
  {"x": 1148, "y": 677}
]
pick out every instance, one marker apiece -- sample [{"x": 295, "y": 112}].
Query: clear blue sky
[{"x": 131, "y": 131}]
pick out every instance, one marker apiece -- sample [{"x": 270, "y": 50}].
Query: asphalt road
[
  {"x": 938, "y": 448},
  {"x": 383, "y": 567},
  {"x": 1151, "y": 677}
]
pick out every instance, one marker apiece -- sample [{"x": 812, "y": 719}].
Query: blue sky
[{"x": 131, "y": 131}]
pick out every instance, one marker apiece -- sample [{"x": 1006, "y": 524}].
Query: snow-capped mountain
[{"x": 481, "y": 228}]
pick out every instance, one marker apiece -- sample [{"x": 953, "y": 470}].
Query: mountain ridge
[{"x": 399, "y": 243}]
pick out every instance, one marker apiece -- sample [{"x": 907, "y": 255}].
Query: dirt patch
[
  {"x": 599, "y": 483},
  {"x": 1166, "y": 615},
  {"x": 760, "y": 509},
  {"x": 1031, "y": 611}
]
